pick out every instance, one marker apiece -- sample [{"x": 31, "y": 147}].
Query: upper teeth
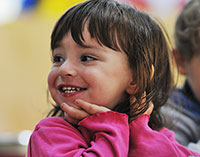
[{"x": 70, "y": 89}]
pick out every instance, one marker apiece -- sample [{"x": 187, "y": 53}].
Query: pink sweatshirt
[{"x": 105, "y": 134}]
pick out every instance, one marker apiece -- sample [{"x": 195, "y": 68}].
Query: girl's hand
[
  {"x": 74, "y": 115},
  {"x": 151, "y": 106}
]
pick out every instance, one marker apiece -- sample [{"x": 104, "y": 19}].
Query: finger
[
  {"x": 73, "y": 112},
  {"x": 144, "y": 97},
  {"x": 151, "y": 106},
  {"x": 150, "y": 109},
  {"x": 132, "y": 99},
  {"x": 90, "y": 108},
  {"x": 70, "y": 119}
]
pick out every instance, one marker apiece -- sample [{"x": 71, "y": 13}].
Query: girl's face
[{"x": 96, "y": 74}]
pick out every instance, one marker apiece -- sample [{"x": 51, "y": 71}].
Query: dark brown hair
[
  {"x": 187, "y": 30},
  {"x": 124, "y": 28}
]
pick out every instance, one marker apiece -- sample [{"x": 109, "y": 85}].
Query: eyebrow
[{"x": 91, "y": 47}]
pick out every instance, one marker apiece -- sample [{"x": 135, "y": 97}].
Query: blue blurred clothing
[
  {"x": 183, "y": 114},
  {"x": 188, "y": 101}
]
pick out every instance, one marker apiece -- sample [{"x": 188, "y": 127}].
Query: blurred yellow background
[{"x": 26, "y": 60}]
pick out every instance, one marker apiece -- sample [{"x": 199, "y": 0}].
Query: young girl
[{"x": 110, "y": 70}]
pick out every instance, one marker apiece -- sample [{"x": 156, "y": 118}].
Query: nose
[{"x": 68, "y": 69}]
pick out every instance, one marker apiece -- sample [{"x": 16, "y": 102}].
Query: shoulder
[
  {"x": 54, "y": 128},
  {"x": 178, "y": 98},
  {"x": 53, "y": 122}
]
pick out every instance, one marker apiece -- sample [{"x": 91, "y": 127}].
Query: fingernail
[
  {"x": 77, "y": 101},
  {"x": 63, "y": 105}
]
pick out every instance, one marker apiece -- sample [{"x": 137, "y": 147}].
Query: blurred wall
[{"x": 25, "y": 62}]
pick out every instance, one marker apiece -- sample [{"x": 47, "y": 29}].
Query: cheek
[
  {"x": 51, "y": 78},
  {"x": 91, "y": 76},
  {"x": 195, "y": 82},
  {"x": 193, "y": 76},
  {"x": 51, "y": 85},
  {"x": 195, "y": 85}
]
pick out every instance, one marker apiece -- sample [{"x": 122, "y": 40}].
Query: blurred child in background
[{"x": 186, "y": 112}]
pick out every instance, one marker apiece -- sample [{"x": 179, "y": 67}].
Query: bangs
[{"x": 102, "y": 20}]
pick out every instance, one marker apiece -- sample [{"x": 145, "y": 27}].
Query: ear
[
  {"x": 180, "y": 61},
  {"x": 131, "y": 89}
]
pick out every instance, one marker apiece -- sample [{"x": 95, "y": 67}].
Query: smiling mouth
[{"x": 68, "y": 90}]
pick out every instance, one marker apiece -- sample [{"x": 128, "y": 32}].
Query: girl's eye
[
  {"x": 57, "y": 59},
  {"x": 87, "y": 58}
]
